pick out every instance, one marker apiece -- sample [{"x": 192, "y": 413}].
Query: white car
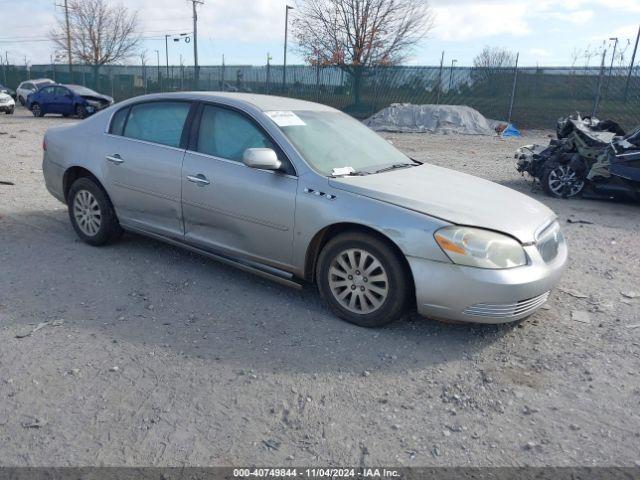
[
  {"x": 7, "y": 105},
  {"x": 30, "y": 86}
]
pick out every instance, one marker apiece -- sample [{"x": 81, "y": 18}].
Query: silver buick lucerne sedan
[{"x": 297, "y": 191}]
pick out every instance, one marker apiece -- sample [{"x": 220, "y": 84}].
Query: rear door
[
  {"x": 229, "y": 207},
  {"x": 143, "y": 165}
]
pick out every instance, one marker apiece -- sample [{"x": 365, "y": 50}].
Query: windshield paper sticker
[{"x": 285, "y": 118}]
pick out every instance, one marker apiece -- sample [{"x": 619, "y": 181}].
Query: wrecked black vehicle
[{"x": 589, "y": 157}]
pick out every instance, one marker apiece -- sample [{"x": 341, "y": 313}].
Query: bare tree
[
  {"x": 353, "y": 34},
  {"x": 492, "y": 60},
  {"x": 100, "y": 33}
]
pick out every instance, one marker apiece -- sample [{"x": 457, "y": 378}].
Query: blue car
[{"x": 67, "y": 100}]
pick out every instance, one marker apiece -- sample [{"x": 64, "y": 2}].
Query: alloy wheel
[
  {"x": 358, "y": 281},
  {"x": 563, "y": 181},
  {"x": 86, "y": 212}
]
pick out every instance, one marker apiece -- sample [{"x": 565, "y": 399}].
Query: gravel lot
[{"x": 155, "y": 356}]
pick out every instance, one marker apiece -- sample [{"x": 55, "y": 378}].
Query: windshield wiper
[
  {"x": 395, "y": 166},
  {"x": 346, "y": 172}
]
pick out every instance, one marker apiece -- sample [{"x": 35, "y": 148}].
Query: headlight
[{"x": 476, "y": 247}]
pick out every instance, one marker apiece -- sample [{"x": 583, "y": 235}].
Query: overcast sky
[{"x": 545, "y": 32}]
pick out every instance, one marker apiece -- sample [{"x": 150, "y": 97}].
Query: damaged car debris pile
[{"x": 589, "y": 156}]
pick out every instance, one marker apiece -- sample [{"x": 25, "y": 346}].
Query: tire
[
  {"x": 9, "y": 112},
  {"x": 36, "y": 109},
  {"x": 21, "y": 100},
  {"x": 340, "y": 265},
  {"x": 87, "y": 200},
  {"x": 561, "y": 181},
  {"x": 81, "y": 112}
]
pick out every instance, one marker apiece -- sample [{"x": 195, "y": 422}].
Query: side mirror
[{"x": 264, "y": 158}]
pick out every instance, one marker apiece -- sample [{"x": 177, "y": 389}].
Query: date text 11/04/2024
[{"x": 316, "y": 472}]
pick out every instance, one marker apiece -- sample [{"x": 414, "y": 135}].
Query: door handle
[
  {"x": 199, "y": 179},
  {"x": 115, "y": 158}
]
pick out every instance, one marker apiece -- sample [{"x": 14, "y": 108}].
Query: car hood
[
  {"x": 455, "y": 197},
  {"x": 98, "y": 98}
]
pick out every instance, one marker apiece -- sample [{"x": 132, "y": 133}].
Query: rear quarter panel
[{"x": 76, "y": 145}]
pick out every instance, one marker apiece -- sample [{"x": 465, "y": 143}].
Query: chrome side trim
[
  {"x": 259, "y": 269},
  {"x": 318, "y": 193},
  {"x": 508, "y": 309}
]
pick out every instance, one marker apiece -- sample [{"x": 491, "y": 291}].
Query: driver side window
[{"x": 227, "y": 134}]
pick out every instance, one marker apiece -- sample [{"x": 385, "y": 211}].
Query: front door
[
  {"x": 143, "y": 166},
  {"x": 229, "y": 207},
  {"x": 63, "y": 101}
]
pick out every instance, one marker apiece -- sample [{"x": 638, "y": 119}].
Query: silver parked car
[{"x": 297, "y": 191}]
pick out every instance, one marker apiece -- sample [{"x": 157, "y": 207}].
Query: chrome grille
[
  {"x": 506, "y": 310},
  {"x": 548, "y": 241}
]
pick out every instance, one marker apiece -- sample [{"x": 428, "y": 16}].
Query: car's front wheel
[
  {"x": 91, "y": 213},
  {"x": 362, "y": 279},
  {"x": 37, "y": 111},
  {"x": 561, "y": 181},
  {"x": 81, "y": 111},
  {"x": 21, "y": 100}
]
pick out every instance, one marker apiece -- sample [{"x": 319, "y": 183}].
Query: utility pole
[
  {"x": 195, "y": 40},
  {"x": 159, "y": 76},
  {"x": 596, "y": 104},
  {"x": 268, "y": 71},
  {"x": 453, "y": 62},
  {"x": 66, "y": 20},
  {"x": 440, "y": 79},
  {"x": 513, "y": 89},
  {"x": 633, "y": 59},
  {"x": 613, "y": 57},
  {"x": 286, "y": 34},
  {"x": 166, "y": 51}
]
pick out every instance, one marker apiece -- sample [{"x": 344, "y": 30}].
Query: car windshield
[
  {"x": 80, "y": 90},
  {"x": 331, "y": 141}
]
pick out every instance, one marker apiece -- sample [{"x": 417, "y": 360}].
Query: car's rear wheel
[
  {"x": 81, "y": 112},
  {"x": 91, "y": 213},
  {"x": 561, "y": 181},
  {"x": 362, "y": 279},
  {"x": 37, "y": 111}
]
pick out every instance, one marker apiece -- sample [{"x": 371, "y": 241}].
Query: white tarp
[{"x": 405, "y": 117}]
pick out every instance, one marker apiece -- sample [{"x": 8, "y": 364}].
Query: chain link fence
[{"x": 541, "y": 95}]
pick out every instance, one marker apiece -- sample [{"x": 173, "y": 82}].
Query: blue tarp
[{"x": 511, "y": 131}]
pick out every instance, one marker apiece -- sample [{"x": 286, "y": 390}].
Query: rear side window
[
  {"x": 157, "y": 122},
  {"x": 117, "y": 122}
]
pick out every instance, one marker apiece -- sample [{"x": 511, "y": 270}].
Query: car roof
[{"x": 261, "y": 102}]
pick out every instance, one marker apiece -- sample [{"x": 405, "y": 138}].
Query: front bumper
[
  {"x": 7, "y": 107},
  {"x": 467, "y": 294}
]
